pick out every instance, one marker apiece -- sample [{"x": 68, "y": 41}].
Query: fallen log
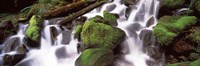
[
  {"x": 63, "y": 9},
  {"x": 80, "y": 13}
]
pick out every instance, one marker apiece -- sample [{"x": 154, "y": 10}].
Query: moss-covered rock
[
  {"x": 99, "y": 35},
  {"x": 77, "y": 31},
  {"x": 171, "y": 26},
  {"x": 111, "y": 19},
  {"x": 34, "y": 28},
  {"x": 195, "y": 36},
  {"x": 99, "y": 19},
  {"x": 197, "y": 5},
  {"x": 173, "y": 3},
  {"x": 95, "y": 57}
]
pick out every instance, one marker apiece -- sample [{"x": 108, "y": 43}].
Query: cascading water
[{"x": 142, "y": 17}]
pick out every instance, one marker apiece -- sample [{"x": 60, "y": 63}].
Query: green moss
[
  {"x": 195, "y": 63},
  {"x": 195, "y": 36},
  {"x": 77, "y": 32},
  {"x": 173, "y": 3},
  {"x": 164, "y": 37},
  {"x": 95, "y": 57},
  {"x": 184, "y": 22},
  {"x": 169, "y": 27},
  {"x": 179, "y": 64},
  {"x": 110, "y": 18},
  {"x": 98, "y": 18},
  {"x": 100, "y": 35},
  {"x": 33, "y": 30}
]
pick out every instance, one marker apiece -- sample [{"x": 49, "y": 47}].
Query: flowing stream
[{"x": 141, "y": 18}]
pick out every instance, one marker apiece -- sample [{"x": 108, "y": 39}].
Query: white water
[{"x": 58, "y": 54}]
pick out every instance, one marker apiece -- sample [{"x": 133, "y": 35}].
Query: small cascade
[{"x": 137, "y": 25}]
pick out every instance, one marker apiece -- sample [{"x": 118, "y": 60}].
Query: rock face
[
  {"x": 95, "y": 57},
  {"x": 11, "y": 60},
  {"x": 99, "y": 35},
  {"x": 169, "y": 27}
]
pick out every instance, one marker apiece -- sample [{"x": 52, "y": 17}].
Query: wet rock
[
  {"x": 11, "y": 60},
  {"x": 128, "y": 12},
  {"x": 194, "y": 56},
  {"x": 6, "y": 29},
  {"x": 10, "y": 44},
  {"x": 95, "y": 57},
  {"x": 32, "y": 44},
  {"x": 150, "y": 21},
  {"x": 111, "y": 7},
  {"x": 154, "y": 52},
  {"x": 54, "y": 34},
  {"x": 147, "y": 37},
  {"x": 61, "y": 53},
  {"x": 182, "y": 46},
  {"x": 6, "y": 24},
  {"x": 134, "y": 27},
  {"x": 128, "y": 2},
  {"x": 21, "y": 49},
  {"x": 66, "y": 36}
]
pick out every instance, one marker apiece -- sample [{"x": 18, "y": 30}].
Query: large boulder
[
  {"x": 95, "y": 57},
  {"x": 169, "y": 27},
  {"x": 33, "y": 30},
  {"x": 99, "y": 35}
]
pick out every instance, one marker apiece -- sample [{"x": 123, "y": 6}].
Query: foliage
[
  {"x": 197, "y": 5},
  {"x": 195, "y": 36},
  {"x": 40, "y": 7},
  {"x": 173, "y": 3},
  {"x": 95, "y": 57}
]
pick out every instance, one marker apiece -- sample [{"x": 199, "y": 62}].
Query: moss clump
[
  {"x": 195, "y": 36},
  {"x": 95, "y": 57},
  {"x": 111, "y": 19},
  {"x": 99, "y": 19},
  {"x": 171, "y": 26},
  {"x": 33, "y": 30},
  {"x": 173, "y": 3},
  {"x": 77, "y": 31},
  {"x": 197, "y": 5},
  {"x": 164, "y": 37},
  {"x": 99, "y": 35},
  {"x": 195, "y": 63},
  {"x": 179, "y": 64}
]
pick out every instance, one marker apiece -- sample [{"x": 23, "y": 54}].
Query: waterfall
[{"x": 53, "y": 52}]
